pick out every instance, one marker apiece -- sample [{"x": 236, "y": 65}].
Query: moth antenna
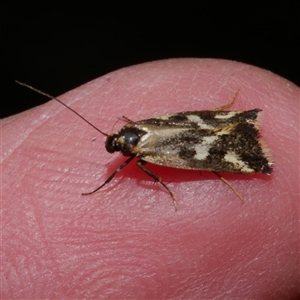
[
  {"x": 53, "y": 98},
  {"x": 127, "y": 119},
  {"x": 113, "y": 127}
]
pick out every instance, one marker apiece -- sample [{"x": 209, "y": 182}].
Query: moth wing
[
  {"x": 205, "y": 140},
  {"x": 204, "y": 119}
]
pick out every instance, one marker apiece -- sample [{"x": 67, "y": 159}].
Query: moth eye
[
  {"x": 130, "y": 138},
  {"x": 117, "y": 147}
]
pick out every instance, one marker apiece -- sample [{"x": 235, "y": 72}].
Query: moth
[{"x": 211, "y": 140}]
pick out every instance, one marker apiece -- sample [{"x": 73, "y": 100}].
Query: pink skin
[{"x": 127, "y": 241}]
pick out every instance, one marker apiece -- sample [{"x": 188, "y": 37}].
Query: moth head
[{"x": 125, "y": 141}]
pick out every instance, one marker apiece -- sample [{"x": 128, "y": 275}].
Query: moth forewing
[{"x": 205, "y": 140}]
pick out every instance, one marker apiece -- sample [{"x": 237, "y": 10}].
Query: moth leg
[
  {"x": 111, "y": 176},
  {"x": 230, "y": 185},
  {"x": 228, "y": 104},
  {"x": 127, "y": 119},
  {"x": 141, "y": 164}
]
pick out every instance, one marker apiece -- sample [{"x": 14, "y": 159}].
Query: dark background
[{"x": 56, "y": 46}]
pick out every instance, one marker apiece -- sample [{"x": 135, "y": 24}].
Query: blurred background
[{"x": 56, "y": 46}]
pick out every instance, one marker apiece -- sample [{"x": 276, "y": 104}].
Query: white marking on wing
[
  {"x": 199, "y": 121},
  {"x": 202, "y": 150},
  {"x": 163, "y": 117},
  {"x": 232, "y": 157},
  {"x": 227, "y": 116},
  {"x": 208, "y": 140}
]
